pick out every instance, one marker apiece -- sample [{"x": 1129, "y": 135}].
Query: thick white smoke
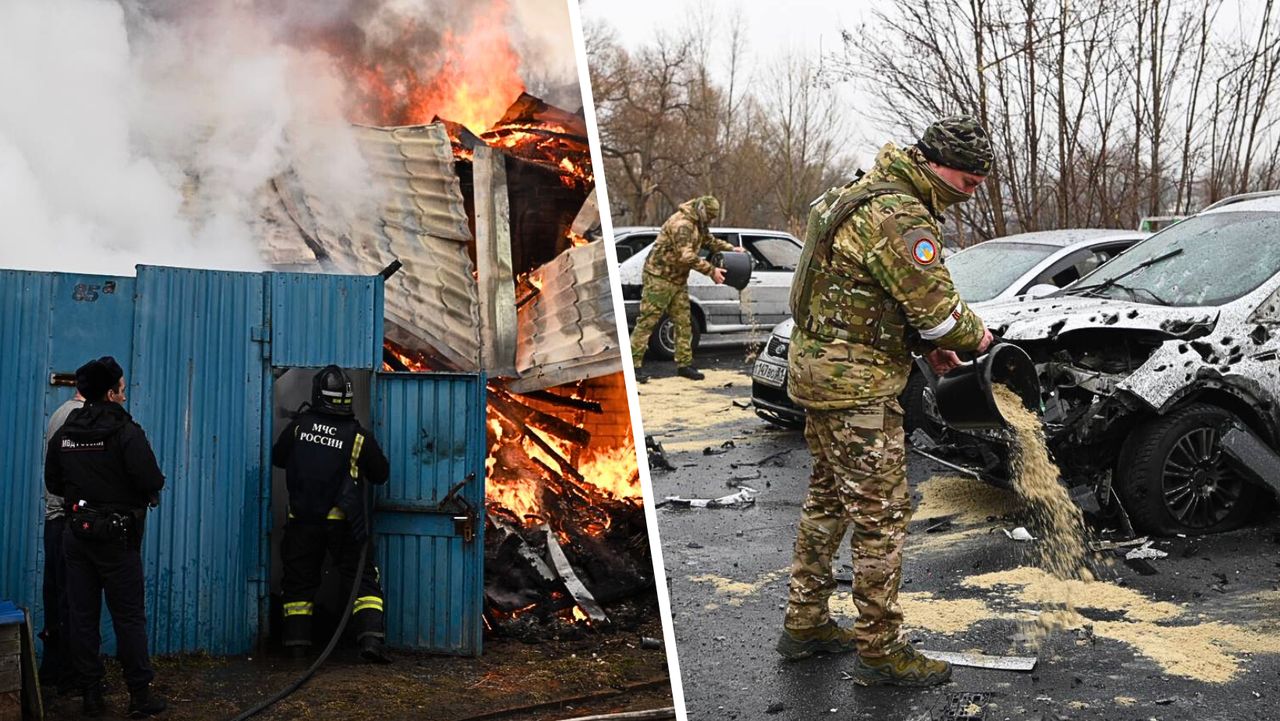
[
  {"x": 129, "y": 139},
  {"x": 143, "y": 131}
]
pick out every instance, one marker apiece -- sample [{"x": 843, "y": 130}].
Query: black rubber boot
[
  {"x": 94, "y": 704},
  {"x": 372, "y": 650},
  {"x": 690, "y": 372},
  {"x": 300, "y": 652},
  {"x": 144, "y": 703},
  {"x": 642, "y": 376}
]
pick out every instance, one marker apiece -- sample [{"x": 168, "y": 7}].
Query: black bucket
[
  {"x": 964, "y": 395},
  {"x": 737, "y": 267}
]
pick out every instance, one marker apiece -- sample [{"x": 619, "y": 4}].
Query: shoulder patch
[{"x": 922, "y": 246}]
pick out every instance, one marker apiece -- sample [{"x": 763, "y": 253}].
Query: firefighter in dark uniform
[
  {"x": 328, "y": 456},
  {"x": 100, "y": 462}
]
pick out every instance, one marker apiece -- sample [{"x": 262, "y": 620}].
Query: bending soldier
[
  {"x": 328, "y": 456},
  {"x": 870, "y": 288},
  {"x": 666, "y": 278},
  {"x": 100, "y": 462}
]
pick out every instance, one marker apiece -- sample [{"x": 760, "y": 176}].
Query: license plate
[{"x": 770, "y": 374}]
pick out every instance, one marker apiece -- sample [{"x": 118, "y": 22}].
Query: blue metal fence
[{"x": 200, "y": 346}]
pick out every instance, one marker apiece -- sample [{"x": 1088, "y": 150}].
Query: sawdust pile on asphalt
[
  {"x": 1182, "y": 644},
  {"x": 971, "y": 500},
  {"x": 923, "y": 609},
  {"x": 735, "y": 592},
  {"x": 689, "y": 415}
]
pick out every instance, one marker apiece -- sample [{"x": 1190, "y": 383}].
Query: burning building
[{"x": 500, "y": 276}]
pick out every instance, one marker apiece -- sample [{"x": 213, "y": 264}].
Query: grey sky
[{"x": 808, "y": 27}]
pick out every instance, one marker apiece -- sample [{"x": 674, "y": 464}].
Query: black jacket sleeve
[
  {"x": 373, "y": 462},
  {"x": 283, "y": 447},
  {"x": 53, "y": 467},
  {"x": 140, "y": 461}
]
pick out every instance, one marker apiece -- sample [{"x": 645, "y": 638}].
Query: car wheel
[
  {"x": 912, "y": 401},
  {"x": 1174, "y": 478},
  {"x": 662, "y": 344}
]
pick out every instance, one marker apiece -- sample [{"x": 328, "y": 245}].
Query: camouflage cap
[
  {"x": 958, "y": 142},
  {"x": 708, "y": 207}
]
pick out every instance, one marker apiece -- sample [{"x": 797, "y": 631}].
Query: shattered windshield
[
  {"x": 1224, "y": 256},
  {"x": 985, "y": 270}
]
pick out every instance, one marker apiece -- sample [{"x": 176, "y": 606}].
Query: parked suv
[
  {"x": 717, "y": 309},
  {"x": 990, "y": 272}
]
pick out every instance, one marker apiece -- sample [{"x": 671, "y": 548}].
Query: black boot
[
  {"x": 373, "y": 650},
  {"x": 642, "y": 376},
  {"x": 144, "y": 703},
  {"x": 94, "y": 704},
  {"x": 690, "y": 372}
]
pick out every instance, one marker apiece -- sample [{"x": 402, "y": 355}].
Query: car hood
[
  {"x": 1046, "y": 318},
  {"x": 1041, "y": 318}
]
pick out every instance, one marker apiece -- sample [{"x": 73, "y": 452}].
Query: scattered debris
[
  {"x": 943, "y": 524},
  {"x": 724, "y": 447},
  {"x": 964, "y": 706},
  {"x": 1112, "y": 545},
  {"x": 776, "y": 707},
  {"x": 586, "y": 601},
  {"x": 979, "y": 660},
  {"x": 744, "y": 497},
  {"x": 741, "y": 403},
  {"x": 650, "y": 644},
  {"x": 1019, "y": 534},
  {"x": 657, "y": 456},
  {"x": 1145, "y": 552}
]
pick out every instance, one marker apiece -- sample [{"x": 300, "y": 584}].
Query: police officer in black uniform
[
  {"x": 328, "y": 456},
  {"x": 102, "y": 465}
]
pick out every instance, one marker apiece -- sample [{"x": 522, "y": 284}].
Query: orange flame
[{"x": 471, "y": 78}]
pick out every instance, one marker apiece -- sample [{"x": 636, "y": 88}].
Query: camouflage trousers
[
  {"x": 859, "y": 479},
  {"x": 660, "y": 296}
]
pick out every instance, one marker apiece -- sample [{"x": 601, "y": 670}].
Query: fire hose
[{"x": 337, "y": 633}]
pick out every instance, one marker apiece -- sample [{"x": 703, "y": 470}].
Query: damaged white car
[{"x": 1160, "y": 373}]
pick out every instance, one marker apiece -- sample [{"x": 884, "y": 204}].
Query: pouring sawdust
[{"x": 1061, "y": 549}]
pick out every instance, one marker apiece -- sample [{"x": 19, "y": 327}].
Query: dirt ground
[{"x": 604, "y": 673}]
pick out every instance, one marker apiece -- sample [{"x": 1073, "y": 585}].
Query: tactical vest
[{"x": 844, "y": 306}]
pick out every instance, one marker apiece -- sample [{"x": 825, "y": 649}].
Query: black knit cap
[{"x": 95, "y": 378}]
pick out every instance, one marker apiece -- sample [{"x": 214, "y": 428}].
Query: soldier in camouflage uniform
[
  {"x": 666, "y": 275},
  {"x": 870, "y": 289}
]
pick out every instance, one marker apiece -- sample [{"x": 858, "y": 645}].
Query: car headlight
[{"x": 778, "y": 347}]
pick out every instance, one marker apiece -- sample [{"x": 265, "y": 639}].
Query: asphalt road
[{"x": 1198, "y": 640}]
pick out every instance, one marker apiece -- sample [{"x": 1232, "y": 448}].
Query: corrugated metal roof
[
  {"x": 421, "y": 221},
  {"x": 568, "y": 331}
]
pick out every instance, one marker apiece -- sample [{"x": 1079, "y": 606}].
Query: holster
[{"x": 91, "y": 523}]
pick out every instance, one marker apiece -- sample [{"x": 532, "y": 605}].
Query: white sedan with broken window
[{"x": 1160, "y": 373}]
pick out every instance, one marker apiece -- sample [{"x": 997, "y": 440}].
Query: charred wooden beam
[
  {"x": 577, "y": 404},
  {"x": 565, "y": 466},
  {"x": 523, "y": 415}
]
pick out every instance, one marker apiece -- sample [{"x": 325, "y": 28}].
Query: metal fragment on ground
[
  {"x": 571, "y": 581},
  {"x": 979, "y": 660},
  {"x": 744, "y": 497}
]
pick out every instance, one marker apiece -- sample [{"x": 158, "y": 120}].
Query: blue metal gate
[
  {"x": 430, "y": 518},
  {"x": 197, "y": 389}
]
